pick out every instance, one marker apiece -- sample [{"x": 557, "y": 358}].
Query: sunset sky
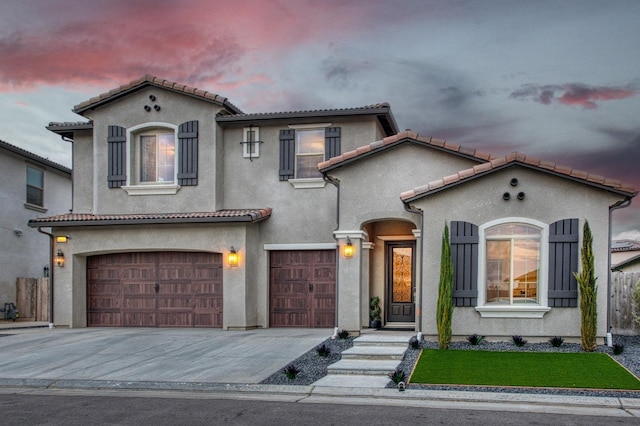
[{"x": 559, "y": 80}]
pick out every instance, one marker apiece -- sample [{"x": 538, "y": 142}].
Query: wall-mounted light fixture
[
  {"x": 348, "y": 249},
  {"x": 232, "y": 257},
  {"x": 62, "y": 238},
  {"x": 46, "y": 271},
  {"x": 59, "y": 258}
]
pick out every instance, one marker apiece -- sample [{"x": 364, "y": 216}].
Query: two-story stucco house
[
  {"x": 32, "y": 186},
  {"x": 190, "y": 213}
]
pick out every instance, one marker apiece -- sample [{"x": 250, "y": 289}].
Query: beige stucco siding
[
  {"x": 129, "y": 112},
  {"x": 547, "y": 199}
]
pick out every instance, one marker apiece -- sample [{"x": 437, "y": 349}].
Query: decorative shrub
[
  {"x": 323, "y": 350},
  {"x": 474, "y": 339},
  {"x": 343, "y": 334},
  {"x": 414, "y": 343},
  {"x": 397, "y": 376},
  {"x": 617, "y": 348},
  {"x": 291, "y": 371},
  {"x": 518, "y": 341},
  {"x": 556, "y": 341}
]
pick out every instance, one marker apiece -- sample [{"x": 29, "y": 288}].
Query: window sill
[
  {"x": 512, "y": 311},
  {"x": 162, "y": 189},
  {"x": 34, "y": 207},
  {"x": 308, "y": 183}
]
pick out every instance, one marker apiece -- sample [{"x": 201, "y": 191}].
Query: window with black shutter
[
  {"x": 464, "y": 255},
  {"x": 117, "y": 156},
  {"x": 188, "y": 154},
  {"x": 563, "y": 262},
  {"x": 302, "y": 149}
]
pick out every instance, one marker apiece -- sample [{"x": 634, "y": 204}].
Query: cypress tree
[
  {"x": 445, "y": 293},
  {"x": 588, "y": 292}
]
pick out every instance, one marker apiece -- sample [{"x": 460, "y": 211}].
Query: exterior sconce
[
  {"x": 59, "y": 258},
  {"x": 46, "y": 271},
  {"x": 62, "y": 238},
  {"x": 348, "y": 249},
  {"x": 232, "y": 258}
]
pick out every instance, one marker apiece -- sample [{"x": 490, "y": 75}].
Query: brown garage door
[
  {"x": 155, "y": 289},
  {"x": 303, "y": 288}
]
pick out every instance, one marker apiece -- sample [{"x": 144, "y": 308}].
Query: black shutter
[
  {"x": 116, "y": 145},
  {"x": 331, "y": 142},
  {"x": 188, "y": 153},
  {"x": 464, "y": 255},
  {"x": 563, "y": 262},
  {"x": 287, "y": 154}
]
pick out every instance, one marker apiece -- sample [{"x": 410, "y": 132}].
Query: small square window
[
  {"x": 251, "y": 142},
  {"x": 35, "y": 186}
]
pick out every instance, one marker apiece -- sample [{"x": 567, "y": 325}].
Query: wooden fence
[
  {"x": 622, "y": 307},
  {"x": 32, "y": 299}
]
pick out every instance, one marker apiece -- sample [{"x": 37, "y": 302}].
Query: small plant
[
  {"x": 397, "y": 376},
  {"x": 518, "y": 341},
  {"x": 617, "y": 348},
  {"x": 375, "y": 313},
  {"x": 556, "y": 341},
  {"x": 343, "y": 334},
  {"x": 323, "y": 351},
  {"x": 414, "y": 343},
  {"x": 291, "y": 371},
  {"x": 474, "y": 339}
]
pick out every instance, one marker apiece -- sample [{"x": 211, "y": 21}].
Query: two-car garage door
[{"x": 155, "y": 289}]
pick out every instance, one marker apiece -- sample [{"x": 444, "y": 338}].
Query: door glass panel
[{"x": 402, "y": 270}]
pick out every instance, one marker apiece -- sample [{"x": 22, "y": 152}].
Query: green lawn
[{"x": 534, "y": 369}]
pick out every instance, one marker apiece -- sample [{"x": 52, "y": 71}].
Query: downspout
[
  {"x": 619, "y": 205},
  {"x": 51, "y": 274},
  {"x": 336, "y": 183},
  {"x": 418, "y": 211}
]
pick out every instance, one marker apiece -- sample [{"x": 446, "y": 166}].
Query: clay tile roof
[
  {"x": 34, "y": 157},
  {"x": 79, "y": 219},
  {"x": 519, "y": 158},
  {"x": 406, "y": 136},
  {"x": 625, "y": 245},
  {"x": 149, "y": 80}
]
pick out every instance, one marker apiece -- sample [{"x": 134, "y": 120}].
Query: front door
[{"x": 400, "y": 281}]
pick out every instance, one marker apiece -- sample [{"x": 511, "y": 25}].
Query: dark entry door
[{"x": 400, "y": 281}]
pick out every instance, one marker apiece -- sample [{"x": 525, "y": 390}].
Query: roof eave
[{"x": 35, "y": 223}]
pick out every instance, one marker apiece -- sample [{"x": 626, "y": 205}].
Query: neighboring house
[
  {"x": 190, "y": 213},
  {"x": 625, "y": 255},
  {"x": 32, "y": 186}
]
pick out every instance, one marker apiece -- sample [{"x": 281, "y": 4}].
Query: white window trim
[
  {"x": 150, "y": 188},
  {"x": 514, "y": 311},
  {"x": 308, "y": 183},
  {"x": 255, "y": 144}
]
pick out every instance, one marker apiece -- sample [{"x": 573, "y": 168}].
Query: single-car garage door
[
  {"x": 302, "y": 288},
  {"x": 154, "y": 289}
]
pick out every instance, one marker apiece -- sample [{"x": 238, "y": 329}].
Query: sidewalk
[{"x": 196, "y": 363}]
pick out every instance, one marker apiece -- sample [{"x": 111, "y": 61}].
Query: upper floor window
[
  {"x": 251, "y": 142},
  {"x": 309, "y": 152},
  {"x": 152, "y": 158},
  {"x": 35, "y": 186},
  {"x": 512, "y": 264},
  {"x": 157, "y": 157},
  {"x": 302, "y": 148}
]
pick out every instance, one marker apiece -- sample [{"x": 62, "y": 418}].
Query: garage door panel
[
  {"x": 302, "y": 288},
  {"x": 155, "y": 289}
]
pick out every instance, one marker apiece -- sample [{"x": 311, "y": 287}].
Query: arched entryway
[{"x": 392, "y": 270}]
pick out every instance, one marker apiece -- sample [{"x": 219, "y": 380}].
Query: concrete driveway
[{"x": 151, "y": 354}]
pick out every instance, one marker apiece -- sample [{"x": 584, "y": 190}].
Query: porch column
[
  {"x": 417, "y": 233},
  {"x": 365, "y": 285},
  {"x": 349, "y": 280}
]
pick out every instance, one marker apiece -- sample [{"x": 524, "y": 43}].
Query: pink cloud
[
  {"x": 573, "y": 94},
  {"x": 191, "y": 41}
]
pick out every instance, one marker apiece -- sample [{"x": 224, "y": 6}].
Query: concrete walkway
[{"x": 209, "y": 364}]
